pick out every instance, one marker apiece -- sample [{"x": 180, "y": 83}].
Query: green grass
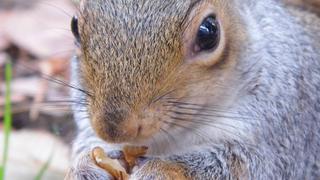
[
  {"x": 7, "y": 122},
  {"x": 44, "y": 168}
]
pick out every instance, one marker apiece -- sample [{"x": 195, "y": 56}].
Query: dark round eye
[
  {"x": 75, "y": 28},
  {"x": 208, "y": 35}
]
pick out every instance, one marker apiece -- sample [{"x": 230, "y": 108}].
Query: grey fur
[{"x": 276, "y": 82}]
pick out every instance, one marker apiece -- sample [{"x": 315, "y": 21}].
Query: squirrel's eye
[
  {"x": 75, "y": 28},
  {"x": 208, "y": 35}
]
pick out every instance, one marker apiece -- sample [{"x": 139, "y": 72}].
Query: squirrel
[{"x": 216, "y": 89}]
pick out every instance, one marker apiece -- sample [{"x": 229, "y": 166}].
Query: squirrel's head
[{"x": 141, "y": 59}]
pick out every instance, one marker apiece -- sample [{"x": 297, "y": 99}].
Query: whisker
[
  {"x": 201, "y": 121},
  {"x": 156, "y": 144},
  {"x": 57, "y": 81},
  {"x": 200, "y": 134},
  {"x": 167, "y": 133},
  {"x": 209, "y": 120},
  {"x": 209, "y": 116},
  {"x": 65, "y": 102},
  {"x": 207, "y": 108},
  {"x": 60, "y": 29},
  {"x": 205, "y": 114},
  {"x": 56, "y": 7},
  {"x": 206, "y": 123},
  {"x": 158, "y": 98},
  {"x": 66, "y": 52},
  {"x": 183, "y": 127},
  {"x": 60, "y": 109}
]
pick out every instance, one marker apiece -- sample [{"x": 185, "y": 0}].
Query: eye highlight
[
  {"x": 75, "y": 28},
  {"x": 208, "y": 34}
]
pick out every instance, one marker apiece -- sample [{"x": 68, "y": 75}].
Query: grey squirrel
[{"x": 217, "y": 89}]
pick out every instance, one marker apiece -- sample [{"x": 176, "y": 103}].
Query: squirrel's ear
[{"x": 204, "y": 39}]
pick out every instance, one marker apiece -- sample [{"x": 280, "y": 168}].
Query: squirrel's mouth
[
  {"x": 135, "y": 134},
  {"x": 132, "y": 129}
]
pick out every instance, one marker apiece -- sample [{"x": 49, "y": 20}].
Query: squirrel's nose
[
  {"x": 112, "y": 120},
  {"x": 116, "y": 126}
]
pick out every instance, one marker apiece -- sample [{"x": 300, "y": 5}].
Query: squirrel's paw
[
  {"x": 159, "y": 169},
  {"x": 84, "y": 168}
]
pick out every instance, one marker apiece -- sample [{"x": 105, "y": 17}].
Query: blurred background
[{"x": 35, "y": 36}]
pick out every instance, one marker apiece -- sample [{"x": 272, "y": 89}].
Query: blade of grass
[
  {"x": 7, "y": 118},
  {"x": 44, "y": 168}
]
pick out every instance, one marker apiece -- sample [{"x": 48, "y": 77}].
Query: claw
[
  {"x": 131, "y": 154},
  {"x": 119, "y": 163},
  {"x": 112, "y": 166}
]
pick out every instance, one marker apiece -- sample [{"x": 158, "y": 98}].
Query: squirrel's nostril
[{"x": 139, "y": 130}]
